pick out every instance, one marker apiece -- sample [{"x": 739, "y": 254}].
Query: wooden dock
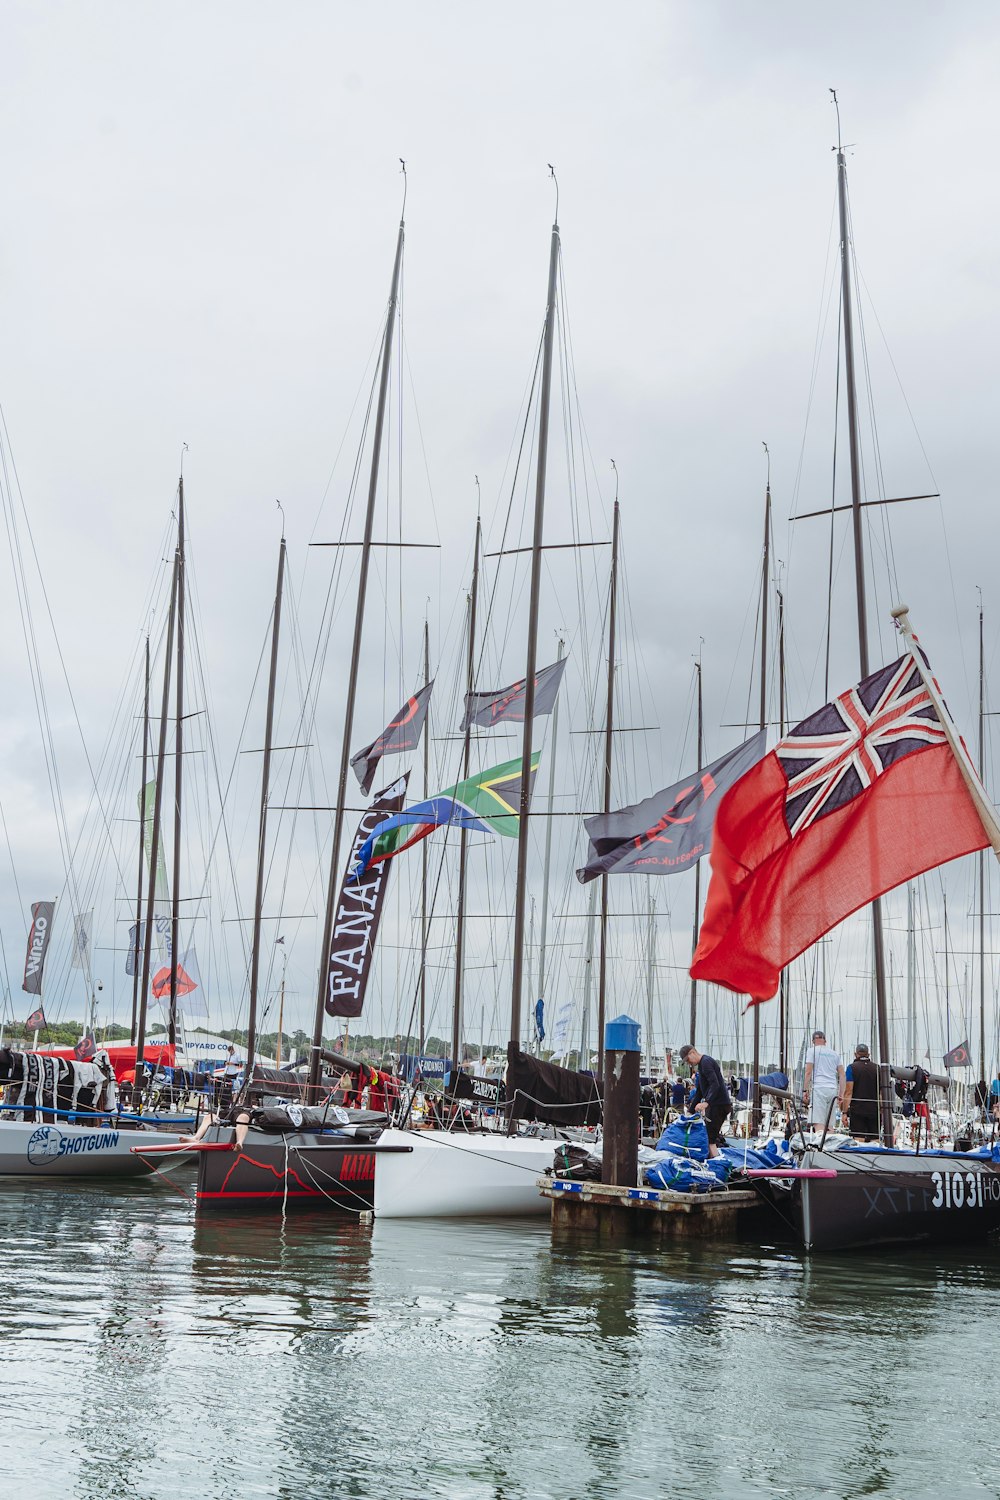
[{"x": 618, "y": 1212}]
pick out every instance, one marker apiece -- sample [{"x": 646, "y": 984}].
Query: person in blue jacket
[{"x": 711, "y": 1096}]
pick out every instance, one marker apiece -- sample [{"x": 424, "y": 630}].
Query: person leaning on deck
[
  {"x": 825, "y": 1080},
  {"x": 711, "y": 1096},
  {"x": 861, "y": 1095}
]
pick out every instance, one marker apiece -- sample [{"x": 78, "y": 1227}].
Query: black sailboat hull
[
  {"x": 286, "y": 1171},
  {"x": 884, "y": 1199}
]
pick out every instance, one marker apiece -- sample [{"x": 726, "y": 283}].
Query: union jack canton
[{"x": 831, "y": 757}]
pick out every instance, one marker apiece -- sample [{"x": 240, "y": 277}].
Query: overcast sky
[{"x": 200, "y": 207}]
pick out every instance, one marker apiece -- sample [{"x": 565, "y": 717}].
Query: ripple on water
[{"x": 163, "y": 1359}]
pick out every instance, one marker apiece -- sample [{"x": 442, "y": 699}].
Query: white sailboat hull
[
  {"x": 451, "y": 1175},
  {"x": 69, "y": 1150}
]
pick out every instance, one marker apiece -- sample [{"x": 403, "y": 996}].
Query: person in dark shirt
[
  {"x": 861, "y": 1095},
  {"x": 677, "y": 1093},
  {"x": 711, "y": 1096}
]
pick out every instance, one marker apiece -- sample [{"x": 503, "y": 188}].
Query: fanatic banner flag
[
  {"x": 400, "y": 735},
  {"x": 958, "y": 1057},
  {"x": 85, "y": 1048},
  {"x": 357, "y": 914},
  {"x": 507, "y": 704},
  {"x": 862, "y": 795},
  {"x": 36, "y": 1021},
  {"x": 487, "y": 803},
  {"x": 42, "y": 913},
  {"x": 671, "y": 830}
]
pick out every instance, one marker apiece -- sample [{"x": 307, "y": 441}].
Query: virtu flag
[
  {"x": 85, "y": 1048},
  {"x": 505, "y": 704},
  {"x": 671, "y": 830},
  {"x": 398, "y": 736},
  {"x": 958, "y": 1057},
  {"x": 873, "y": 789},
  {"x": 357, "y": 915},
  {"x": 487, "y": 803},
  {"x": 36, "y": 1021}
]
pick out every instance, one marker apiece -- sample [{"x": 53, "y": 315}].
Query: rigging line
[
  {"x": 55, "y": 637},
  {"x": 34, "y": 662}
]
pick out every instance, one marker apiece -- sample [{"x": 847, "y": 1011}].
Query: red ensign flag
[{"x": 862, "y": 795}]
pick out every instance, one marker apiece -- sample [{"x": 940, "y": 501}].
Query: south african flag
[{"x": 488, "y": 803}]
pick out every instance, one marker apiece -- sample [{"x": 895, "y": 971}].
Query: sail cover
[{"x": 542, "y": 1091}]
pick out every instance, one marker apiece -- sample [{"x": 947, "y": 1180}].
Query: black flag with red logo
[
  {"x": 85, "y": 1048},
  {"x": 505, "y": 704},
  {"x": 671, "y": 830},
  {"x": 398, "y": 736},
  {"x": 958, "y": 1057}
]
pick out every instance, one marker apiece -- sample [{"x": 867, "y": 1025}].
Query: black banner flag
[
  {"x": 38, "y": 946},
  {"x": 958, "y": 1057},
  {"x": 398, "y": 736},
  {"x": 503, "y": 704},
  {"x": 671, "y": 830},
  {"x": 357, "y": 913}
]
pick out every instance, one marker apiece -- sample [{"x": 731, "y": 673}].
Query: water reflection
[{"x": 167, "y": 1356}]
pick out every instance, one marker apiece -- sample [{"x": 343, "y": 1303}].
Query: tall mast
[
  {"x": 520, "y": 901},
  {"x": 463, "y": 836},
  {"x": 352, "y": 681},
  {"x": 175, "y": 908},
  {"x": 783, "y": 980},
  {"x": 982, "y": 860},
  {"x": 878, "y": 945},
  {"x": 765, "y": 584},
  {"x": 697, "y": 868},
  {"x": 265, "y": 785},
  {"x": 911, "y": 980},
  {"x": 544, "y": 925},
  {"x": 609, "y": 740},
  {"x": 650, "y": 973},
  {"x": 154, "y": 842},
  {"x": 423, "y": 850},
  {"x": 137, "y": 944}
]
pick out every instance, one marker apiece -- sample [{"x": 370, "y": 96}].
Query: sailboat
[
  {"x": 285, "y": 1145},
  {"x": 447, "y": 1174},
  {"x": 847, "y": 1194},
  {"x": 61, "y": 1114}
]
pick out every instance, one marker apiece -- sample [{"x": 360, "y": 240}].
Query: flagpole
[
  {"x": 175, "y": 910},
  {"x": 968, "y": 772},
  {"x": 142, "y": 835},
  {"x": 878, "y": 945},
  {"x": 154, "y": 841},
  {"x": 609, "y": 733},
  {"x": 463, "y": 836},
  {"x": 333, "y": 886},
  {"x": 265, "y": 784},
  {"x": 520, "y": 903}
]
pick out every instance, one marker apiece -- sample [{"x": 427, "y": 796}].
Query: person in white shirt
[{"x": 825, "y": 1082}]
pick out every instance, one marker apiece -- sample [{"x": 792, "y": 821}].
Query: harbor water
[{"x": 144, "y": 1354}]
